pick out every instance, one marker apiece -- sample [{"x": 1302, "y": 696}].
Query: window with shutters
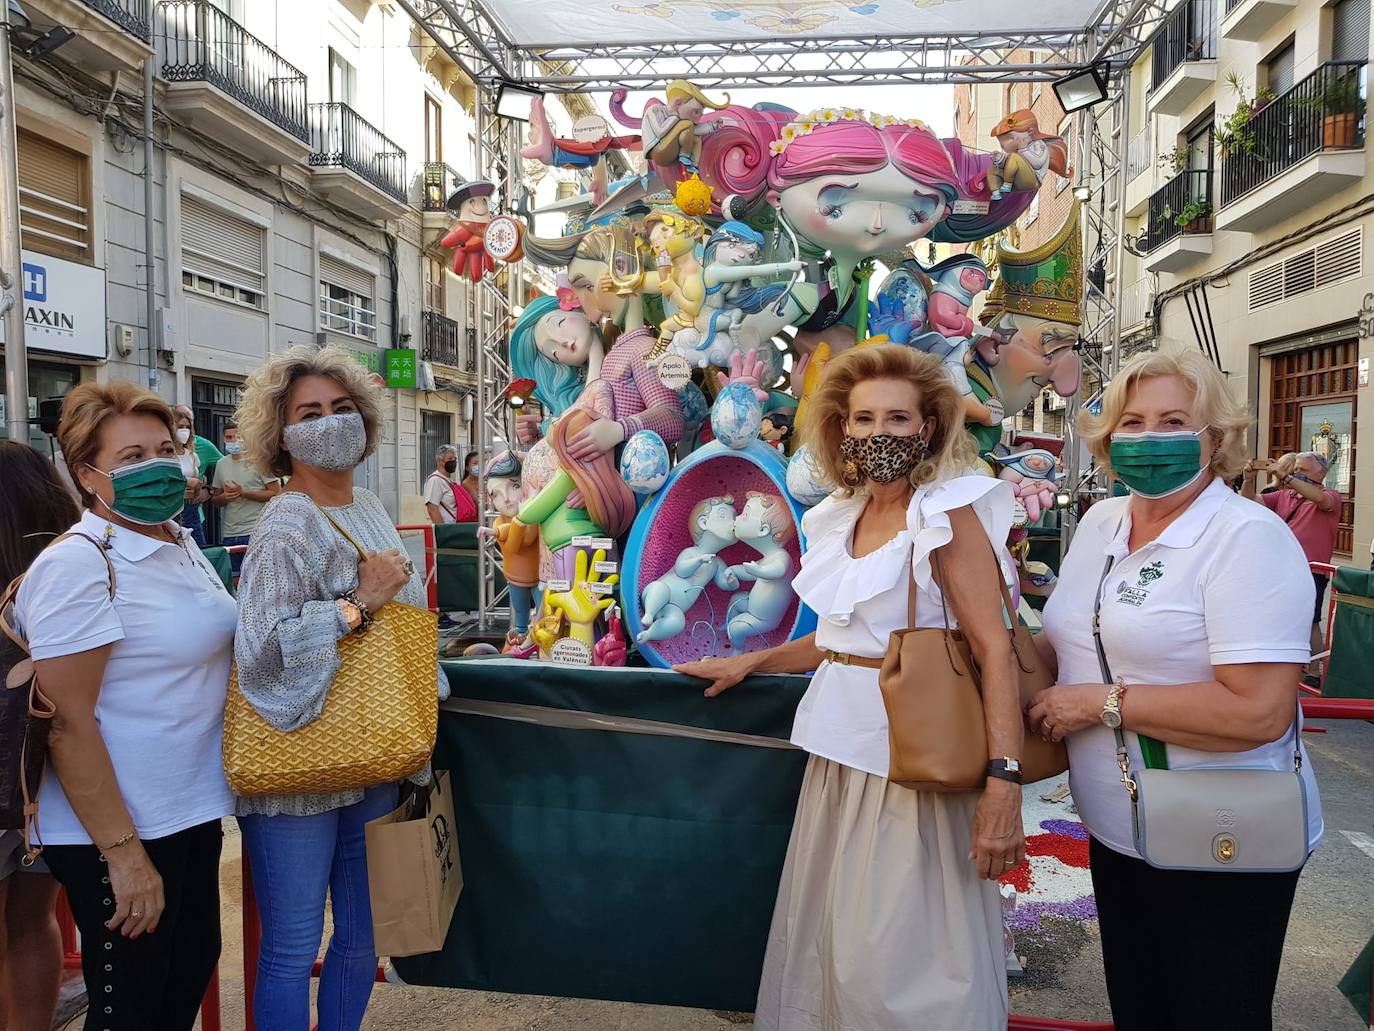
[
  {"x": 347, "y": 299},
  {"x": 1280, "y": 67},
  {"x": 1350, "y": 31},
  {"x": 1334, "y": 260},
  {"x": 222, "y": 256},
  {"x": 436, "y": 277},
  {"x": 54, "y": 198}
]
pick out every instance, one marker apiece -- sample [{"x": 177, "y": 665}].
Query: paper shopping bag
[{"x": 413, "y": 872}]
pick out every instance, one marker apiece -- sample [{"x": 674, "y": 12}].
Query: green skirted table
[
  {"x": 456, "y": 573},
  {"x": 1348, "y": 671},
  {"x": 621, "y": 836}
]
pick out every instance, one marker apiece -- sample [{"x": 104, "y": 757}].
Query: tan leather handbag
[
  {"x": 932, "y": 689},
  {"x": 379, "y": 720}
]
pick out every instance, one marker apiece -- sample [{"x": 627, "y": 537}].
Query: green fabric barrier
[
  {"x": 219, "y": 558},
  {"x": 1352, "y": 636},
  {"x": 608, "y": 864},
  {"x": 1358, "y": 983},
  {"x": 457, "y": 573}
]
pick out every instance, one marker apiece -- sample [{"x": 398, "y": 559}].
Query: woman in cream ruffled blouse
[{"x": 888, "y": 916}]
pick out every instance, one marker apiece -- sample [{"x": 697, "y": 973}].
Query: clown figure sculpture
[
  {"x": 472, "y": 203},
  {"x": 668, "y": 599},
  {"x": 766, "y": 526}
]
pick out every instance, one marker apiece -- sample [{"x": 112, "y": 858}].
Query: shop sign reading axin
[{"x": 64, "y": 307}]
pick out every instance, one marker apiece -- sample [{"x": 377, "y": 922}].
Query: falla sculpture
[{"x": 698, "y": 302}]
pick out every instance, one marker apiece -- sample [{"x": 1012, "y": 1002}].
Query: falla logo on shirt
[
  {"x": 1135, "y": 596},
  {"x": 1150, "y": 574}
]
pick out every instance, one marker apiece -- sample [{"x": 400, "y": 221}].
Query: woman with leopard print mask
[{"x": 888, "y": 915}]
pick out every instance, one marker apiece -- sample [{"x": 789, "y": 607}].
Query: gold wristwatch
[
  {"x": 353, "y": 611},
  {"x": 1111, "y": 709}
]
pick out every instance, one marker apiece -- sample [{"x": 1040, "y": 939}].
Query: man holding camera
[{"x": 1298, "y": 495}]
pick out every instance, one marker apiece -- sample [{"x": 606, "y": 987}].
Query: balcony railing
[
  {"x": 342, "y": 138},
  {"x": 1138, "y": 154},
  {"x": 1325, "y": 111},
  {"x": 1182, "y": 205},
  {"x": 439, "y": 182},
  {"x": 202, "y": 44},
  {"x": 444, "y": 341},
  {"x": 133, "y": 16},
  {"x": 1135, "y": 302},
  {"x": 1188, "y": 34}
]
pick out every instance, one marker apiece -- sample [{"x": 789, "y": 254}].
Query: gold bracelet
[{"x": 122, "y": 841}]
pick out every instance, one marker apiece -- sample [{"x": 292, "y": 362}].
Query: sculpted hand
[
  {"x": 597, "y": 439},
  {"x": 527, "y": 428},
  {"x": 798, "y": 377},
  {"x": 582, "y": 604},
  {"x": 745, "y": 368},
  {"x": 610, "y": 650}
]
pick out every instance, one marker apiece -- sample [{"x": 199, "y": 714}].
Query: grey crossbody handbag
[{"x": 1238, "y": 819}]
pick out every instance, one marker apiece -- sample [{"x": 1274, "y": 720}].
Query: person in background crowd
[
  {"x": 888, "y": 916},
  {"x": 1203, "y": 622},
  {"x": 1312, "y": 511},
  {"x": 473, "y": 465},
  {"x": 313, "y": 415},
  {"x": 242, "y": 492},
  {"x": 35, "y": 507},
  {"x": 196, "y": 492},
  {"x": 132, "y": 805},
  {"x": 446, "y": 500},
  {"x": 206, "y": 451}
]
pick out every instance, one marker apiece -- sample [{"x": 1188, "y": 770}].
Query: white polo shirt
[
  {"x": 161, "y": 703},
  {"x": 1225, "y": 583}
]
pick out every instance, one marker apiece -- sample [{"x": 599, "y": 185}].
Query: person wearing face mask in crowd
[
  {"x": 132, "y": 805},
  {"x": 470, "y": 482},
  {"x": 242, "y": 492},
  {"x": 1203, "y": 600},
  {"x": 188, "y": 457},
  {"x": 1299, "y": 496},
  {"x": 447, "y": 500},
  {"x": 888, "y": 916},
  {"x": 313, "y": 415}
]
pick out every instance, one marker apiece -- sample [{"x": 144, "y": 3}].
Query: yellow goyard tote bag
[{"x": 379, "y": 720}]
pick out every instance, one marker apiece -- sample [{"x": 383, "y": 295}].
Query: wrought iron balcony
[
  {"x": 200, "y": 43},
  {"x": 1182, "y": 205},
  {"x": 443, "y": 341},
  {"x": 342, "y": 138},
  {"x": 1189, "y": 33},
  {"x": 439, "y": 182},
  {"x": 133, "y": 16},
  {"x": 1323, "y": 112}
]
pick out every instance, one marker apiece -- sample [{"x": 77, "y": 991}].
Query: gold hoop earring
[{"x": 850, "y": 474}]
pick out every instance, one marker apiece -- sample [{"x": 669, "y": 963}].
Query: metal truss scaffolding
[{"x": 474, "y": 39}]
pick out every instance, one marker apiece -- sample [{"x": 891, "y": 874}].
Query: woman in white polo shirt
[
  {"x": 132, "y": 805},
  {"x": 1204, "y": 616}
]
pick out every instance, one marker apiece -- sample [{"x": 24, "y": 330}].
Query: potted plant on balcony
[
  {"x": 1196, "y": 216},
  {"x": 1235, "y": 135},
  {"x": 1176, "y": 160},
  {"x": 1339, "y": 103}
]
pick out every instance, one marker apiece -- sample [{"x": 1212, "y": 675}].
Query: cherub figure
[
  {"x": 673, "y": 240},
  {"x": 730, "y": 261},
  {"x": 1027, "y": 155},
  {"x": 667, "y": 600},
  {"x": 672, "y": 131},
  {"x": 766, "y": 526},
  {"x": 591, "y": 140}
]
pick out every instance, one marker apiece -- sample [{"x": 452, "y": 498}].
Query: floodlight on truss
[
  {"x": 1081, "y": 89},
  {"x": 514, "y": 100}
]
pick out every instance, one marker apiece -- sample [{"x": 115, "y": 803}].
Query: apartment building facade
[
  {"x": 1248, "y": 211},
  {"x": 304, "y": 151}
]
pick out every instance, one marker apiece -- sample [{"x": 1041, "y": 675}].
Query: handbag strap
[
  {"x": 1008, "y": 608},
  {"x": 12, "y": 591},
  {"x": 362, "y": 553},
  {"x": 1152, "y": 750}
]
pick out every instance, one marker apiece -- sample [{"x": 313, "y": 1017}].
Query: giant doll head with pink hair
[{"x": 850, "y": 187}]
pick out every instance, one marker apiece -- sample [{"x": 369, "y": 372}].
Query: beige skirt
[{"x": 881, "y": 922}]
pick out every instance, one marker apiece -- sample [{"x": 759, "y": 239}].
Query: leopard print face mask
[{"x": 880, "y": 458}]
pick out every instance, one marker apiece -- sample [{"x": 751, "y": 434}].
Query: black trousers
[
  {"x": 1189, "y": 951},
  {"x": 155, "y": 983}
]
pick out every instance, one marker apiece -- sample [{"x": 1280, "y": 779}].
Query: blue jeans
[
  {"x": 235, "y": 557},
  {"x": 190, "y": 518},
  {"x": 295, "y": 860},
  {"x": 521, "y": 601}
]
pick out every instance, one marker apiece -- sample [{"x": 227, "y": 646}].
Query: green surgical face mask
[
  {"x": 1157, "y": 464},
  {"x": 148, "y": 492}
]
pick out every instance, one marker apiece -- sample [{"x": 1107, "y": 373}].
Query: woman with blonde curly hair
[
  {"x": 1202, "y": 600},
  {"x": 888, "y": 916},
  {"x": 313, "y": 415}
]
